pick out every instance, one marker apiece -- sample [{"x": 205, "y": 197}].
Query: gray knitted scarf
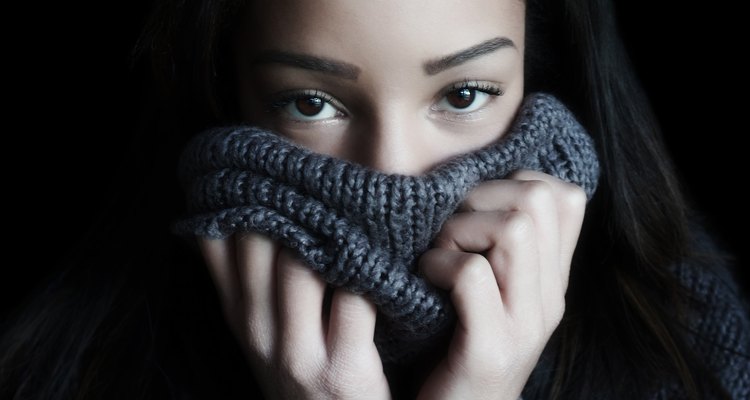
[{"x": 362, "y": 229}]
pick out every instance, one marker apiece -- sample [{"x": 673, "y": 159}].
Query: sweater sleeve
[{"x": 718, "y": 328}]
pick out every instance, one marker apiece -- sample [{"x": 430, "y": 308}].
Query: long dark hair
[{"x": 133, "y": 312}]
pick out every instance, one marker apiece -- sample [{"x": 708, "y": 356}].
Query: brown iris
[
  {"x": 461, "y": 98},
  {"x": 309, "y": 106}
]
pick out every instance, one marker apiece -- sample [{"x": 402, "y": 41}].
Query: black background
[{"x": 74, "y": 100}]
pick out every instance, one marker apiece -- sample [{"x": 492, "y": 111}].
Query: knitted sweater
[
  {"x": 718, "y": 324},
  {"x": 360, "y": 228},
  {"x": 716, "y": 331},
  {"x": 363, "y": 230}
]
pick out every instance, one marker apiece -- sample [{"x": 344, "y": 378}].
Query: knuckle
[
  {"x": 470, "y": 203},
  {"x": 516, "y": 226},
  {"x": 574, "y": 198},
  {"x": 451, "y": 229},
  {"x": 475, "y": 271},
  {"x": 443, "y": 240},
  {"x": 536, "y": 193}
]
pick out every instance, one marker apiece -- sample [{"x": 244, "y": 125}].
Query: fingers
[
  {"x": 300, "y": 306},
  {"x": 527, "y": 227},
  {"x": 352, "y": 323},
  {"x": 272, "y": 292},
  {"x": 256, "y": 259},
  {"x": 470, "y": 280},
  {"x": 504, "y": 257},
  {"x": 296, "y": 344},
  {"x": 507, "y": 241},
  {"x": 219, "y": 257},
  {"x": 537, "y": 223},
  {"x": 526, "y": 190},
  {"x": 324, "y": 349},
  {"x": 570, "y": 200},
  {"x": 534, "y": 198}
]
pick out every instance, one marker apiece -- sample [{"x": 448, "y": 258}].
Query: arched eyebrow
[
  {"x": 314, "y": 63},
  {"x": 438, "y": 65},
  {"x": 349, "y": 71}
]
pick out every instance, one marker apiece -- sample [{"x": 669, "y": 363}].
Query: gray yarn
[{"x": 362, "y": 229}]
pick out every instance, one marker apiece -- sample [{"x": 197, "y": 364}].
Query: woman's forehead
[{"x": 403, "y": 30}]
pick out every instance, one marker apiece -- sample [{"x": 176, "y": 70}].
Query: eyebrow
[
  {"x": 436, "y": 66},
  {"x": 310, "y": 62}
]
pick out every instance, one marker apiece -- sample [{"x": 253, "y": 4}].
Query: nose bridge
[{"x": 393, "y": 141}]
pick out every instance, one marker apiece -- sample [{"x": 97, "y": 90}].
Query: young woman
[{"x": 621, "y": 297}]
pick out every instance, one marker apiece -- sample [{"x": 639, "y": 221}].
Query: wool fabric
[{"x": 362, "y": 229}]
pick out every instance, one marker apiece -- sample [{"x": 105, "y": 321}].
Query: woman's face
[{"x": 395, "y": 85}]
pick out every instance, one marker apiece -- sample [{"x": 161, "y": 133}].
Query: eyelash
[
  {"x": 484, "y": 87},
  {"x": 283, "y": 99}
]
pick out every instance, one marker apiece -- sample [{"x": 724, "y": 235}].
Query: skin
[{"x": 504, "y": 257}]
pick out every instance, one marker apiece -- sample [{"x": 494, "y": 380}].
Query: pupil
[
  {"x": 461, "y": 98},
  {"x": 309, "y": 106}
]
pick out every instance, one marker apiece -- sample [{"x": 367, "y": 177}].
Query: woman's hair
[{"x": 134, "y": 312}]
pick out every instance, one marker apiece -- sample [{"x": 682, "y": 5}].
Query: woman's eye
[
  {"x": 308, "y": 107},
  {"x": 461, "y": 98},
  {"x": 311, "y": 108},
  {"x": 465, "y": 99}
]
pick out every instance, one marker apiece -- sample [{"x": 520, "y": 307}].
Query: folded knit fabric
[{"x": 362, "y": 229}]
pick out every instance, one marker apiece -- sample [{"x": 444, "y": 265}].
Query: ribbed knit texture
[
  {"x": 718, "y": 323},
  {"x": 360, "y": 228},
  {"x": 720, "y": 328}
]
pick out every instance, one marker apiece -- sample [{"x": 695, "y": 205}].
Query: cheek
[
  {"x": 426, "y": 143},
  {"x": 489, "y": 126}
]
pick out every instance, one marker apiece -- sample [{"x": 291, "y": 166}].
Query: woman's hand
[
  {"x": 504, "y": 258},
  {"x": 274, "y": 305}
]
